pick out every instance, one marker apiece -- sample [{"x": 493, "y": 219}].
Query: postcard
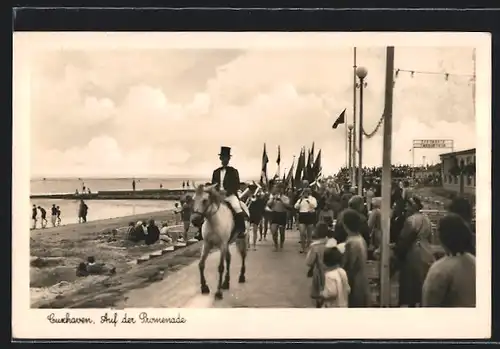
[{"x": 242, "y": 185}]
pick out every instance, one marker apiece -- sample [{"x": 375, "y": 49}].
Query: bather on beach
[
  {"x": 136, "y": 232},
  {"x": 153, "y": 234},
  {"x": 92, "y": 268}
]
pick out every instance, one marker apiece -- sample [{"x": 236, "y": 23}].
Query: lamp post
[
  {"x": 361, "y": 72},
  {"x": 351, "y": 157}
]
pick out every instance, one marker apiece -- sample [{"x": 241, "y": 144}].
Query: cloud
[{"x": 286, "y": 98}]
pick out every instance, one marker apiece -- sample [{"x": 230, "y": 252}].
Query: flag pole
[
  {"x": 354, "y": 102},
  {"x": 385, "y": 282}
]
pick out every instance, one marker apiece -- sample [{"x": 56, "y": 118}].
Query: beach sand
[{"x": 56, "y": 252}]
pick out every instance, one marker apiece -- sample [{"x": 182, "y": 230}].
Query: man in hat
[{"x": 227, "y": 179}]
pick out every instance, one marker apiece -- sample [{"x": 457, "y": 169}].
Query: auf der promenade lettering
[{"x": 115, "y": 319}]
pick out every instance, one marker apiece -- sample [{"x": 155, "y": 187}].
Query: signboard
[{"x": 433, "y": 143}]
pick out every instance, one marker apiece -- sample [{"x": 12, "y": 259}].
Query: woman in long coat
[
  {"x": 355, "y": 260},
  {"x": 414, "y": 254}
]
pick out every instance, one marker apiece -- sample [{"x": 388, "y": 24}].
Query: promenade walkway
[{"x": 273, "y": 280}]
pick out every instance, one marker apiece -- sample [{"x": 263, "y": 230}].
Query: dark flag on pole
[
  {"x": 263, "y": 174},
  {"x": 308, "y": 173},
  {"x": 340, "y": 120},
  {"x": 289, "y": 177},
  {"x": 317, "y": 166},
  {"x": 300, "y": 166}
]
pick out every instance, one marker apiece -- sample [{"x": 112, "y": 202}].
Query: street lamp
[
  {"x": 351, "y": 157},
  {"x": 361, "y": 72}
]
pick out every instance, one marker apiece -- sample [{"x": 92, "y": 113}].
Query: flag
[
  {"x": 307, "y": 164},
  {"x": 316, "y": 172},
  {"x": 309, "y": 174},
  {"x": 278, "y": 162},
  {"x": 300, "y": 166},
  {"x": 263, "y": 174},
  {"x": 289, "y": 177},
  {"x": 340, "y": 120}
]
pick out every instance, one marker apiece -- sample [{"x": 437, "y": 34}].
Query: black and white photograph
[{"x": 246, "y": 173}]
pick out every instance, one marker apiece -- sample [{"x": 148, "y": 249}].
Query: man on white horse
[{"x": 227, "y": 180}]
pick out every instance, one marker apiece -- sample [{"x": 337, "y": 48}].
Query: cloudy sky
[{"x": 167, "y": 112}]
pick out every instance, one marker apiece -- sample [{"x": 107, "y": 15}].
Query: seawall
[{"x": 144, "y": 194}]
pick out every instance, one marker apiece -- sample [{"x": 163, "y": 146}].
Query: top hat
[{"x": 225, "y": 151}]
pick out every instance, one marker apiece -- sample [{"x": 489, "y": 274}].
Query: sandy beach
[{"x": 55, "y": 253}]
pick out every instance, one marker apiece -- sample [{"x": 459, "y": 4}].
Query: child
[
  {"x": 336, "y": 290},
  {"x": 58, "y": 215},
  {"x": 314, "y": 261}
]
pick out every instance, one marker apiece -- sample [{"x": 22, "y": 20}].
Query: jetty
[{"x": 143, "y": 194}]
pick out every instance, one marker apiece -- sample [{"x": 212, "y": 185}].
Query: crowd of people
[
  {"x": 55, "y": 218},
  {"x": 55, "y": 215},
  {"x": 428, "y": 174},
  {"x": 341, "y": 231}
]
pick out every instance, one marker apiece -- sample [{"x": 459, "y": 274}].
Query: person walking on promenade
[
  {"x": 266, "y": 221},
  {"x": 370, "y": 194},
  {"x": 133, "y": 184},
  {"x": 346, "y": 196},
  {"x": 414, "y": 254},
  {"x": 34, "y": 214},
  {"x": 43, "y": 217},
  {"x": 451, "y": 281},
  {"x": 53, "y": 215},
  {"x": 306, "y": 206},
  {"x": 291, "y": 213},
  {"x": 279, "y": 204},
  {"x": 256, "y": 209}
]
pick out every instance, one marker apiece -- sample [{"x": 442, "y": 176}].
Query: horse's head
[{"x": 205, "y": 197}]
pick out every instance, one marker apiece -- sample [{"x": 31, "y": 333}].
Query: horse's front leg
[
  {"x": 223, "y": 251},
  {"x": 242, "y": 248},
  {"x": 225, "y": 284},
  {"x": 201, "y": 265}
]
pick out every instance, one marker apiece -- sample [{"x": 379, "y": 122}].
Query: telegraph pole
[
  {"x": 354, "y": 105},
  {"x": 385, "y": 281}
]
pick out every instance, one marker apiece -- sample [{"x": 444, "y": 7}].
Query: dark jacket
[
  {"x": 231, "y": 180},
  {"x": 341, "y": 235},
  {"x": 153, "y": 235}
]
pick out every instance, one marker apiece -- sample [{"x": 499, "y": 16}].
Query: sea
[{"x": 103, "y": 209}]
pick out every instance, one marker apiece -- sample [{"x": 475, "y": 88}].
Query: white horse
[{"x": 217, "y": 228}]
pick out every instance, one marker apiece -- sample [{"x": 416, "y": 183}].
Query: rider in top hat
[{"x": 227, "y": 179}]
